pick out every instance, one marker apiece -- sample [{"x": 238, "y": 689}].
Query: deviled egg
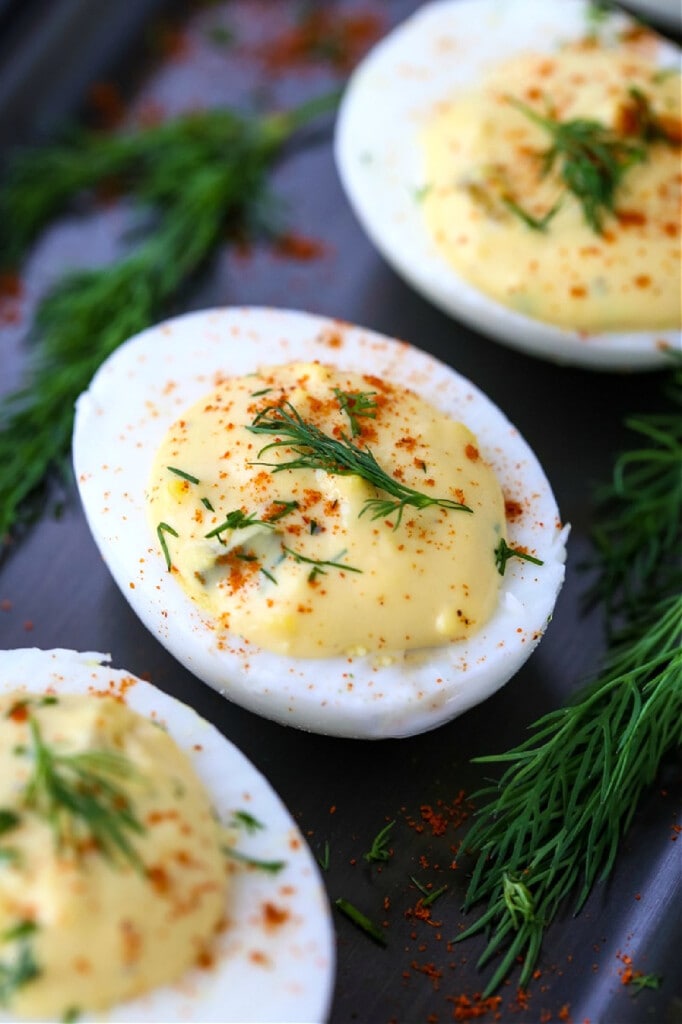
[
  {"x": 518, "y": 163},
  {"x": 268, "y": 573},
  {"x": 147, "y": 870}
]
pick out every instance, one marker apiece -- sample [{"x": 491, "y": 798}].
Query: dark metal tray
[{"x": 55, "y": 591}]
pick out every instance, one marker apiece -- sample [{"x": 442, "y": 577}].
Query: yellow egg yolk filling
[
  {"x": 509, "y": 225},
  {"x": 86, "y": 921},
  {"x": 311, "y": 559}
]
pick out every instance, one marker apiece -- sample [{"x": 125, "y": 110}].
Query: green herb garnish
[
  {"x": 161, "y": 530},
  {"x": 184, "y": 476},
  {"x": 318, "y": 563},
  {"x": 316, "y": 450},
  {"x": 271, "y": 866},
  {"x": 247, "y": 821},
  {"x": 8, "y": 820},
  {"x": 78, "y": 797},
  {"x": 325, "y": 858},
  {"x": 503, "y": 553},
  {"x": 360, "y": 920},
  {"x": 194, "y": 174},
  {"x": 286, "y": 508},
  {"x": 642, "y": 981},
  {"x": 550, "y": 828},
  {"x": 379, "y": 851},
  {"x": 592, "y": 161},
  {"x": 23, "y": 968},
  {"x": 356, "y": 404},
  {"x": 238, "y": 520}
]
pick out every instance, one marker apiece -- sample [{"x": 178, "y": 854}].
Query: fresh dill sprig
[
  {"x": 339, "y": 456},
  {"x": 550, "y": 828},
  {"x": 592, "y": 159},
  {"x": 77, "y": 794},
  {"x": 637, "y": 539},
  {"x": 196, "y": 174}
]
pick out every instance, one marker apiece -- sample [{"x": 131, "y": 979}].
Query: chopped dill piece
[
  {"x": 313, "y": 526},
  {"x": 23, "y": 969},
  {"x": 247, "y": 821},
  {"x": 183, "y": 475},
  {"x": 8, "y": 820},
  {"x": 356, "y": 404},
  {"x": 268, "y": 575},
  {"x": 642, "y": 981},
  {"x": 360, "y": 920},
  {"x": 313, "y": 449},
  {"x": 286, "y": 509},
  {"x": 271, "y": 866},
  {"x": 207, "y": 504},
  {"x": 263, "y": 391},
  {"x": 534, "y": 223},
  {"x": 238, "y": 520},
  {"x": 378, "y": 850},
  {"x": 431, "y": 897},
  {"x": 324, "y": 859},
  {"x": 319, "y": 563},
  {"x": 503, "y": 553},
  {"x": 161, "y": 530}
]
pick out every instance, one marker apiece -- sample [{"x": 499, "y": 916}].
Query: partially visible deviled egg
[
  {"x": 313, "y": 590},
  {"x": 518, "y": 163},
  {"x": 148, "y": 872}
]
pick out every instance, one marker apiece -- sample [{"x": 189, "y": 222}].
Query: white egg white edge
[
  {"x": 294, "y": 979},
  {"x": 153, "y": 378},
  {"x": 445, "y": 46}
]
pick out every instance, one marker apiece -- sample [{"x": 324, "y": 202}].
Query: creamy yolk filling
[
  {"x": 480, "y": 151},
  {"x": 81, "y": 926},
  {"x": 309, "y": 568}
]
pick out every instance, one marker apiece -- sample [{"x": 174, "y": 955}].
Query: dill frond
[{"x": 196, "y": 175}]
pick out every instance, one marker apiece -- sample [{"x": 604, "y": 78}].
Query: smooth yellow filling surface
[
  {"x": 423, "y": 581},
  {"x": 97, "y": 926},
  {"x": 479, "y": 150}
]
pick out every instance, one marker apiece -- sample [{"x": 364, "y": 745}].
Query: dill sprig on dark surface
[
  {"x": 551, "y": 827},
  {"x": 195, "y": 175}
]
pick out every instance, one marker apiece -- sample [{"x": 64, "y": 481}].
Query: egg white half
[
  {"x": 261, "y": 972},
  {"x": 120, "y": 421},
  {"x": 446, "y": 46}
]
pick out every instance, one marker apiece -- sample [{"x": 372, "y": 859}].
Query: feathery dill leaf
[
  {"x": 550, "y": 828},
  {"x": 339, "y": 456},
  {"x": 195, "y": 174},
  {"x": 77, "y": 794},
  {"x": 592, "y": 161}
]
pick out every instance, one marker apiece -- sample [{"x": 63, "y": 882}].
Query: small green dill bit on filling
[
  {"x": 503, "y": 553},
  {"x": 161, "y": 530},
  {"x": 317, "y": 562},
  {"x": 313, "y": 449},
  {"x": 356, "y": 404},
  {"x": 183, "y": 475},
  {"x": 238, "y": 520},
  {"x": 23, "y": 968},
  {"x": 287, "y": 507},
  {"x": 360, "y": 920},
  {"x": 8, "y": 820}
]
